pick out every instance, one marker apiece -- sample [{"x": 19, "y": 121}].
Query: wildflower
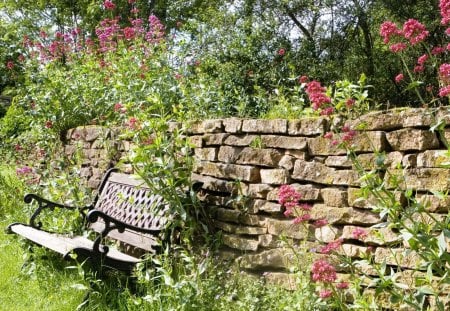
[
  {"x": 444, "y": 6},
  {"x": 414, "y": 31},
  {"x": 437, "y": 50},
  {"x": 281, "y": 52},
  {"x": 444, "y": 91},
  {"x": 134, "y": 11},
  {"x": 422, "y": 59},
  {"x": 288, "y": 196},
  {"x": 178, "y": 76},
  {"x": 320, "y": 223},
  {"x": 303, "y": 79},
  {"x": 18, "y": 147},
  {"x": 342, "y": 285},
  {"x": 347, "y": 137},
  {"x": 10, "y": 65},
  {"x": 350, "y": 102},
  {"x": 328, "y": 135},
  {"x": 118, "y": 107},
  {"x": 21, "y": 58},
  {"x": 388, "y": 30},
  {"x": 327, "y": 111},
  {"x": 326, "y": 293},
  {"x": 109, "y": 5},
  {"x": 49, "y": 124},
  {"x": 398, "y": 47},
  {"x": 444, "y": 71},
  {"x": 330, "y": 247},
  {"x": 133, "y": 123},
  {"x": 25, "y": 170},
  {"x": 129, "y": 33},
  {"x": 399, "y": 78},
  {"x": 334, "y": 142},
  {"x": 359, "y": 233},
  {"x": 418, "y": 69},
  {"x": 314, "y": 87},
  {"x": 302, "y": 218},
  {"x": 323, "y": 271}
]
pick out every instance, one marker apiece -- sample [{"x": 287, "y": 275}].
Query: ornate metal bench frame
[{"x": 124, "y": 210}]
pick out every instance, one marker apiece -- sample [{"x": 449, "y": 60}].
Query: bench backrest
[{"x": 127, "y": 199}]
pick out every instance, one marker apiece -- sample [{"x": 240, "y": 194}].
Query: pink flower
[
  {"x": 302, "y": 218},
  {"x": 414, "y": 31},
  {"x": 49, "y": 124},
  {"x": 342, "y": 285},
  {"x": 347, "y": 137},
  {"x": 330, "y": 247},
  {"x": 314, "y": 87},
  {"x": 418, "y": 69},
  {"x": 422, "y": 59},
  {"x": 350, "y": 102},
  {"x": 323, "y": 271},
  {"x": 320, "y": 223},
  {"x": 303, "y": 79},
  {"x": 109, "y": 5},
  {"x": 10, "y": 65},
  {"x": 129, "y": 33},
  {"x": 288, "y": 196},
  {"x": 398, "y": 47},
  {"x": 388, "y": 30},
  {"x": 327, "y": 111},
  {"x": 444, "y": 71},
  {"x": 133, "y": 123},
  {"x": 326, "y": 293},
  {"x": 24, "y": 170},
  {"x": 444, "y": 91},
  {"x": 328, "y": 135},
  {"x": 281, "y": 52},
  {"x": 359, "y": 233},
  {"x": 444, "y": 6},
  {"x": 437, "y": 50},
  {"x": 399, "y": 77}
]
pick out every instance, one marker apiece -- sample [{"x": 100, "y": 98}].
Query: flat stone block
[
  {"x": 433, "y": 158},
  {"x": 227, "y": 171},
  {"x": 228, "y": 154},
  {"x": 277, "y": 126},
  {"x": 214, "y": 139},
  {"x": 274, "y": 176},
  {"x": 261, "y": 157},
  {"x": 284, "y": 142},
  {"x": 308, "y": 126},
  {"x": 232, "y": 125},
  {"x": 206, "y": 154},
  {"x": 240, "y": 140},
  {"x": 412, "y": 139},
  {"x": 286, "y": 228},
  {"x": 239, "y": 242}
]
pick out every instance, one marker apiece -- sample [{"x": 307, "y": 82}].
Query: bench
[{"x": 124, "y": 211}]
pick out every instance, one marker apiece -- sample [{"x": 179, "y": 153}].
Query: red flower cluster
[
  {"x": 413, "y": 31},
  {"x": 444, "y": 6},
  {"x": 330, "y": 247},
  {"x": 359, "y": 233},
  {"x": 289, "y": 197},
  {"x": 316, "y": 94},
  {"x": 323, "y": 271}
]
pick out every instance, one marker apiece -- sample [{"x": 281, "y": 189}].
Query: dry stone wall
[{"x": 243, "y": 163}]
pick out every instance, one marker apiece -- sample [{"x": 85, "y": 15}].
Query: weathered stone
[
  {"x": 425, "y": 179},
  {"x": 320, "y": 173},
  {"x": 280, "y": 258},
  {"x": 334, "y": 197},
  {"x": 239, "y": 242},
  {"x": 376, "y": 236},
  {"x": 308, "y": 126},
  {"x": 323, "y": 146},
  {"x": 404, "y": 258},
  {"x": 307, "y": 192},
  {"x": 409, "y": 161},
  {"x": 229, "y": 154},
  {"x": 240, "y": 140},
  {"x": 262, "y": 157},
  {"x": 327, "y": 234},
  {"x": 227, "y": 215},
  {"x": 287, "y": 162},
  {"x": 70, "y": 150},
  {"x": 239, "y": 229},
  {"x": 270, "y": 241},
  {"x": 338, "y": 161},
  {"x": 286, "y": 228},
  {"x": 284, "y": 142},
  {"x": 302, "y": 155},
  {"x": 266, "y": 206},
  {"x": 220, "y": 185},
  {"x": 206, "y": 154},
  {"x": 274, "y": 176},
  {"x": 92, "y": 133},
  {"x": 377, "y": 120},
  {"x": 445, "y": 138},
  {"x": 371, "y": 161},
  {"x": 196, "y": 141},
  {"x": 343, "y": 215},
  {"x": 252, "y": 220},
  {"x": 432, "y": 158},
  {"x": 206, "y": 126},
  {"x": 227, "y": 171},
  {"x": 214, "y": 139},
  {"x": 357, "y": 199},
  {"x": 277, "y": 126},
  {"x": 232, "y": 125},
  {"x": 417, "y": 117},
  {"x": 85, "y": 172},
  {"x": 285, "y": 280},
  {"x": 259, "y": 191},
  {"x": 434, "y": 204},
  {"x": 412, "y": 139},
  {"x": 352, "y": 251},
  {"x": 93, "y": 183}
]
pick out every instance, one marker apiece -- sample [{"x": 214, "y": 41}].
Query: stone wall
[{"x": 244, "y": 162}]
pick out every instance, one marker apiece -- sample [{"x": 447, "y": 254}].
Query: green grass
[{"x": 38, "y": 285}]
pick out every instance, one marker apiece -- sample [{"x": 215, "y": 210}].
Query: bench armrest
[
  {"x": 43, "y": 204},
  {"x": 111, "y": 224}
]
